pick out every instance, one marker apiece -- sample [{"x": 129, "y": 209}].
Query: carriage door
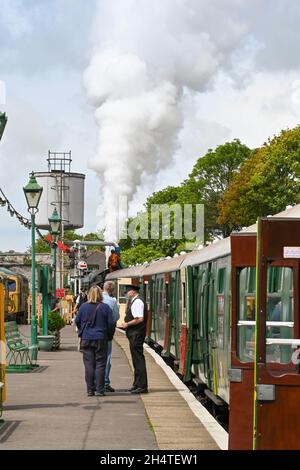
[
  {"x": 241, "y": 372},
  {"x": 277, "y": 358}
]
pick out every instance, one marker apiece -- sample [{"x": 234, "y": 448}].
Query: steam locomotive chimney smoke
[{"x": 146, "y": 56}]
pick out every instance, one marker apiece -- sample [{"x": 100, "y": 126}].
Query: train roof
[
  {"x": 134, "y": 271},
  {"x": 217, "y": 249},
  {"x": 8, "y": 272},
  {"x": 164, "y": 266},
  {"x": 3, "y": 277}
]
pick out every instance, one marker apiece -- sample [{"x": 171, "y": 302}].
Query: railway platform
[{"x": 48, "y": 408}]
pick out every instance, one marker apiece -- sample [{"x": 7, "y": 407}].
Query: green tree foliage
[
  {"x": 209, "y": 180},
  {"x": 206, "y": 184},
  {"x": 149, "y": 247},
  {"x": 140, "y": 254},
  {"x": 168, "y": 197},
  {"x": 266, "y": 183},
  {"x": 42, "y": 246}
]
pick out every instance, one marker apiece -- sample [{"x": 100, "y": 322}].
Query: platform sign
[
  {"x": 60, "y": 293},
  {"x": 82, "y": 265},
  {"x": 291, "y": 251}
]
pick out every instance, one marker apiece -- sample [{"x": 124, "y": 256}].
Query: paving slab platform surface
[{"x": 49, "y": 409}]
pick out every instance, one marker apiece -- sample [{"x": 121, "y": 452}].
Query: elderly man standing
[
  {"x": 111, "y": 301},
  {"x": 135, "y": 325}
]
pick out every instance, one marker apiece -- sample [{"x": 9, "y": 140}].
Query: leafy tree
[
  {"x": 41, "y": 246},
  {"x": 140, "y": 254},
  {"x": 170, "y": 196},
  {"x": 266, "y": 183},
  {"x": 206, "y": 185},
  {"x": 209, "y": 180}
]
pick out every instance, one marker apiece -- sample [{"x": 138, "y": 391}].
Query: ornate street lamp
[
  {"x": 54, "y": 222},
  {"x": 33, "y": 192}
]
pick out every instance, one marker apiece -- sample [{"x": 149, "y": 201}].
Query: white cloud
[{"x": 234, "y": 65}]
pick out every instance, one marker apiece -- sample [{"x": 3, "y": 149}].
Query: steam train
[
  {"x": 16, "y": 295},
  {"x": 228, "y": 317}
]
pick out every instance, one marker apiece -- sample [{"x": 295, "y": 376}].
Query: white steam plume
[{"x": 145, "y": 54}]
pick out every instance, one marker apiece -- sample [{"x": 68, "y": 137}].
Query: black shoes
[
  {"x": 132, "y": 388},
  {"x": 91, "y": 393},
  {"x": 137, "y": 391},
  {"x": 108, "y": 388}
]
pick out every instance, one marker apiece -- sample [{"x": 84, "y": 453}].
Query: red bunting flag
[
  {"x": 49, "y": 238},
  {"x": 63, "y": 247}
]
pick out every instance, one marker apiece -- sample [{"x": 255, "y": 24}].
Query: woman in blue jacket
[{"x": 95, "y": 328}]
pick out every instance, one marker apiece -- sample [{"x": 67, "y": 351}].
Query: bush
[{"x": 55, "y": 322}]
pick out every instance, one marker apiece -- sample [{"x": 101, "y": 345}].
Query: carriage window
[
  {"x": 122, "y": 295},
  {"x": 167, "y": 297},
  {"x": 251, "y": 279},
  {"x": 280, "y": 315},
  {"x": 184, "y": 302},
  {"x": 221, "y": 304},
  {"x": 12, "y": 286},
  {"x": 147, "y": 293},
  {"x": 221, "y": 280},
  {"x": 246, "y": 323}
]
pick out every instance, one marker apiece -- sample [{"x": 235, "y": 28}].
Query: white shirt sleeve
[{"x": 137, "y": 308}]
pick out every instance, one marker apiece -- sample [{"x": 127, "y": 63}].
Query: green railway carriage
[
  {"x": 164, "y": 294},
  {"x": 206, "y": 274},
  {"x": 202, "y": 309}
]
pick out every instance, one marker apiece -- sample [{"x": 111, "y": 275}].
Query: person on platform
[
  {"x": 95, "y": 328},
  {"x": 109, "y": 299},
  {"x": 113, "y": 261},
  {"x": 80, "y": 299},
  {"x": 135, "y": 326}
]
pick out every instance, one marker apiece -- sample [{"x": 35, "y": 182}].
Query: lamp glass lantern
[
  {"x": 33, "y": 192},
  {"x": 54, "y": 222}
]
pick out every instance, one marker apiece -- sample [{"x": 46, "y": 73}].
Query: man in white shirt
[
  {"x": 135, "y": 325},
  {"x": 109, "y": 299}
]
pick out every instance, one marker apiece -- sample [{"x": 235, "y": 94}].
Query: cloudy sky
[{"x": 138, "y": 90}]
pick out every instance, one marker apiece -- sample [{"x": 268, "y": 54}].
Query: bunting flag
[
  {"x": 49, "y": 238},
  {"x": 27, "y": 223},
  {"x": 63, "y": 247}
]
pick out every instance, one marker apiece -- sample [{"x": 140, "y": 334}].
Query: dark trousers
[
  {"x": 94, "y": 359},
  {"x": 136, "y": 342}
]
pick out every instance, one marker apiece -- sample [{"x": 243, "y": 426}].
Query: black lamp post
[
  {"x": 54, "y": 222},
  {"x": 33, "y": 192}
]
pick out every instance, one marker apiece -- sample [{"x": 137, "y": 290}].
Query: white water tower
[{"x": 61, "y": 189}]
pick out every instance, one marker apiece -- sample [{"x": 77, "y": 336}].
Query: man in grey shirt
[{"x": 111, "y": 301}]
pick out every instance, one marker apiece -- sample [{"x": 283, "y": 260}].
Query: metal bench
[{"x": 18, "y": 350}]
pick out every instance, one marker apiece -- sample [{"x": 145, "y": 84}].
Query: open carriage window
[
  {"x": 280, "y": 315},
  {"x": 122, "y": 294},
  {"x": 246, "y": 319}
]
